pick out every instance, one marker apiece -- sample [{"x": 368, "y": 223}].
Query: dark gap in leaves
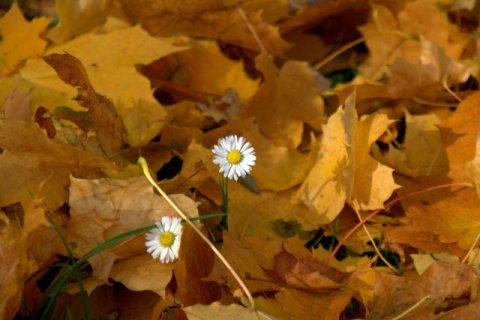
[
  {"x": 392, "y": 257},
  {"x": 164, "y": 97},
  {"x": 341, "y": 76},
  {"x": 155, "y": 139},
  {"x": 315, "y": 241},
  {"x": 353, "y": 308},
  {"x": 402, "y": 130},
  {"x": 465, "y": 20},
  {"x": 170, "y": 169},
  {"x": 470, "y": 85},
  {"x": 46, "y": 280}
]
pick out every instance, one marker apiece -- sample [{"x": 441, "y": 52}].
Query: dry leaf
[
  {"x": 106, "y": 123},
  {"x": 19, "y": 38}
]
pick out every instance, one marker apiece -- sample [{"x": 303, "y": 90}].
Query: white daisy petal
[
  {"x": 165, "y": 248},
  {"x": 231, "y": 165}
]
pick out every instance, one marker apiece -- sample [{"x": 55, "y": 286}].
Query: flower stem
[
  {"x": 224, "y": 187},
  {"x": 143, "y": 164}
]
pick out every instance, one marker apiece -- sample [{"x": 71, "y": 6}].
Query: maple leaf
[
  {"x": 26, "y": 146},
  {"x": 344, "y": 170},
  {"x": 106, "y": 123},
  {"x": 15, "y": 249},
  {"x": 205, "y": 69},
  {"x": 441, "y": 282},
  {"x": 104, "y": 208},
  {"x": 385, "y": 49},
  {"x": 434, "y": 71},
  {"x": 422, "y": 152},
  {"x": 208, "y": 19},
  {"x": 19, "y": 38},
  {"x": 130, "y": 92},
  {"x": 77, "y": 18},
  {"x": 286, "y": 101}
]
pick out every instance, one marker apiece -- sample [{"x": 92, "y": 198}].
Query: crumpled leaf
[
  {"x": 344, "y": 170},
  {"x": 19, "y": 38},
  {"x": 130, "y": 93},
  {"x": 106, "y": 123}
]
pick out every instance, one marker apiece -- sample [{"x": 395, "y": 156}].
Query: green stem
[{"x": 224, "y": 187}]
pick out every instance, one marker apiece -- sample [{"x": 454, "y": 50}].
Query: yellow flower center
[
  {"x": 167, "y": 238},
  {"x": 234, "y": 157}
]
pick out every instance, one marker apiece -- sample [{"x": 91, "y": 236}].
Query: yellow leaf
[
  {"x": 104, "y": 58},
  {"x": 77, "y": 18},
  {"x": 141, "y": 272},
  {"x": 26, "y": 146},
  {"x": 207, "y": 70},
  {"x": 345, "y": 171},
  {"x": 286, "y": 101},
  {"x": 19, "y": 38},
  {"x": 217, "y": 311}
]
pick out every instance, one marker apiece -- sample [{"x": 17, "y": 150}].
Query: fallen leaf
[
  {"x": 344, "y": 170},
  {"x": 106, "y": 123},
  {"x": 442, "y": 281},
  {"x": 195, "y": 262},
  {"x": 218, "y": 311},
  {"x": 130, "y": 93},
  {"x": 208, "y": 20},
  {"x": 286, "y": 101},
  {"x": 104, "y": 208},
  {"x": 422, "y": 152},
  {"x": 142, "y": 273},
  {"x": 16, "y": 105},
  {"x": 26, "y": 146},
  {"x": 248, "y": 257},
  {"x": 77, "y": 18},
  {"x": 20, "y": 39}
]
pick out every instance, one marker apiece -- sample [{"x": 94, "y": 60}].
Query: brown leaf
[
  {"x": 248, "y": 257},
  {"x": 26, "y": 146},
  {"x": 104, "y": 208},
  {"x": 195, "y": 262},
  {"x": 107, "y": 125},
  {"x": 16, "y": 105},
  {"x": 442, "y": 282},
  {"x": 286, "y": 101}
]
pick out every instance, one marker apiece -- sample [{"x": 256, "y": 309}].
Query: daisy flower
[
  {"x": 164, "y": 240},
  {"x": 235, "y": 156}
]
